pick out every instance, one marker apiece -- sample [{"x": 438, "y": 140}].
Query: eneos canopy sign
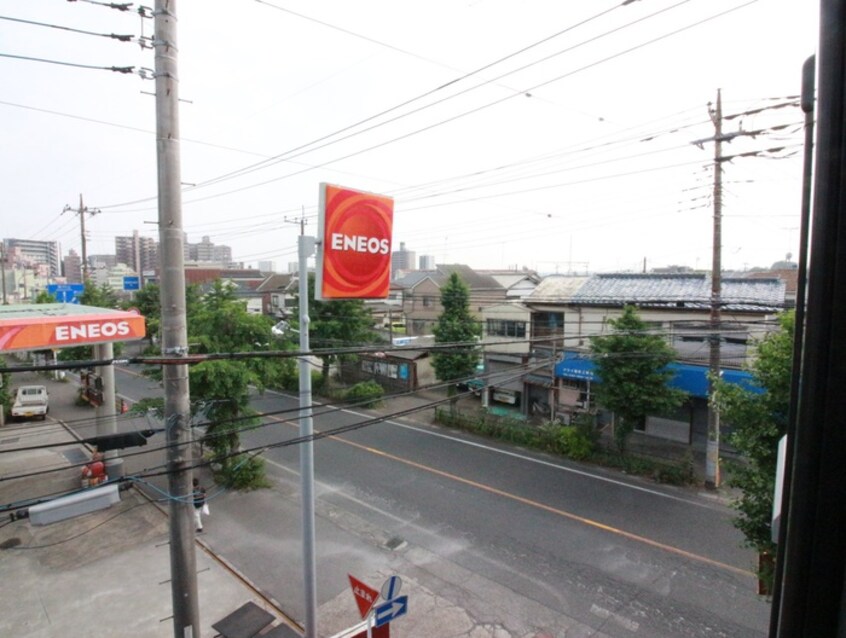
[
  {"x": 354, "y": 254},
  {"x": 59, "y": 331}
]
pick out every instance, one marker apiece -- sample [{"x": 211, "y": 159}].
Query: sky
[{"x": 556, "y": 136}]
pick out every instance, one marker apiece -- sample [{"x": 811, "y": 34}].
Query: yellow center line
[{"x": 547, "y": 508}]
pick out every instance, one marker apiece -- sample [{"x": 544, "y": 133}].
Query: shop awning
[{"x": 691, "y": 378}]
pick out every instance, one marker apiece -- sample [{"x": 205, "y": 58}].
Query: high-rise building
[
  {"x": 208, "y": 252},
  {"x": 72, "y": 266},
  {"x": 139, "y": 253},
  {"x": 267, "y": 266},
  {"x": 402, "y": 259},
  {"x": 427, "y": 262},
  {"x": 32, "y": 252}
]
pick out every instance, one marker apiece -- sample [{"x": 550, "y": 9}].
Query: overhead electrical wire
[{"x": 285, "y": 156}]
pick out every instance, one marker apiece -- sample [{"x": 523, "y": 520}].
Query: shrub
[
  {"x": 244, "y": 473},
  {"x": 366, "y": 393}
]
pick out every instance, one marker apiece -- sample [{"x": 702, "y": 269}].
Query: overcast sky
[{"x": 548, "y": 134}]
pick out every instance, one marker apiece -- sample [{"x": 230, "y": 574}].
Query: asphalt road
[{"x": 511, "y": 535}]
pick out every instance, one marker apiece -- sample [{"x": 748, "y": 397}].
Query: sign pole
[{"x": 306, "y": 249}]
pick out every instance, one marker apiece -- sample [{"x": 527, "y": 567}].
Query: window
[
  {"x": 506, "y": 328},
  {"x": 427, "y": 301}
]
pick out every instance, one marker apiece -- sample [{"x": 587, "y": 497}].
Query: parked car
[{"x": 31, "y": 401}]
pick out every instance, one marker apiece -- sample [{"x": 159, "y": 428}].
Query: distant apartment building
[
  {"x": 137, "y": 252},
  {"x": 267, "y": 266},
  {"x": 102, "y": 261},
  {"x": 29, "y": 253},
  {"x": 427, "y": 262},
  {"x": 72, "y": 267},
  {"x": 402, "y": 260},
  {"x": 207, "y": 252}
]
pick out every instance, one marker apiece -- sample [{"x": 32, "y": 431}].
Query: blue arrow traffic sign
[
  {"x": 386, "y": 612},
  {"x": 66, "y": 293}
]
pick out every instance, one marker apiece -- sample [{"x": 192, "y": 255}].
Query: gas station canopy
[{"x": 60, "y": 325}]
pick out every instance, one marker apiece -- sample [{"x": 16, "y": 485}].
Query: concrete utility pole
[
  {"x": 183, "y": 561},
  {"x": 3, "y": 269},
  {"x": 712, "y": 451},
  {"x": 82, "y": 211}
]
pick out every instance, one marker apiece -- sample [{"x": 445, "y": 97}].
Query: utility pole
[
  {"x": 3, "y": 269},
  {"x": 82, "y": 211},
  {"x": 712, "y": 451},
  {"x": 183, "y": 561},
  {"x": 305, "y": 248}
]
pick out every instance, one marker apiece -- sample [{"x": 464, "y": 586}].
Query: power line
[
  {"x": 141, "y": 71},
  {"x": 113, "y": 36}
]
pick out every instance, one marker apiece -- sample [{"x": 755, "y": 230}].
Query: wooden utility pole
[
  {"x": 712, "y": 451},
  {"x": 82, "y": 211},
  {"x": 183, "y": 561}
]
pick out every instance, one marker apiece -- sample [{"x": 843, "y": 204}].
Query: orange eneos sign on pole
[{"x": 354, "y": 251}]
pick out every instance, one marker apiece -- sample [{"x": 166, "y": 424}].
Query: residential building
[
  {"x": 72, "y": 267},
  {"x": 421, "y": 305},
  {"x": 27, "y": 253},
  {"x": 102, "y": 261},
  {"x": 267, "y": 266},
  {"x": 207, "y": 252},
  {"x": 278, "y": 293},
  {"x": 139, "y": 253}
]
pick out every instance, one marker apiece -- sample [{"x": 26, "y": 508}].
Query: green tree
[
  {"x": 632, "y": 367},
  {"x": 220, "y": 323},
  {"x": 101, "y": 296},
  {"x": 340, "y": 323},
  {"x": 6, "y": 399},
  {"x": 759, "y": 420},
  {"x": 147, "y": 302},
  {"x": 457, "y": 326},
  {"x": 44, "y": 297}
]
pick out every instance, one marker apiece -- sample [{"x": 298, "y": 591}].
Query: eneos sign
[
  {"x": 354, "y": 254},
  {"x": 35, "y": 333}
]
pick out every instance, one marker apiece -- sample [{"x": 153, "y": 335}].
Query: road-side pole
[
  {"x": 183, "y": 560},
  {"x": 306, "y": 249}
]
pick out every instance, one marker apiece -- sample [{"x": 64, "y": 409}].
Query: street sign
[
  {"x": 132, "y": 283},
  {"x": 365, "y": 596},
  {"x": 391, "y": 588},
  {"x": 386, "y": 612},
  {"x": 66, "y": 293}
]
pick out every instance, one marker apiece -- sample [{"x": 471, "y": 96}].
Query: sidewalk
[{"x": 105, "y": 573}]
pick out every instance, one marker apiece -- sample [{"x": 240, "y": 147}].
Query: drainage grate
[
  {"x": 75, "y": 456},
  {"x": 395, "y": 543},
  {"x": 14, "y": 439}
]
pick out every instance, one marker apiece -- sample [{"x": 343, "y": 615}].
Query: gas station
[{"x": 34, "y": 327}]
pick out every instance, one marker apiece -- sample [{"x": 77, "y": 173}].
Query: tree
[
  {"x": 759, "y": 419},
  {"x": 45, "y": 297},
  {"x": 456, "y": 326},
  {"x": 632, "y": 367},
  {"x": 147, "y": 302},
  {"x": 221, "y": 323},
  {"x": 339, "y": 323}
]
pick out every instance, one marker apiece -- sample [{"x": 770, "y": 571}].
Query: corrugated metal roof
[
  {"x": 556, "y": 289},
  {"x": 681, "y": 291}
]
